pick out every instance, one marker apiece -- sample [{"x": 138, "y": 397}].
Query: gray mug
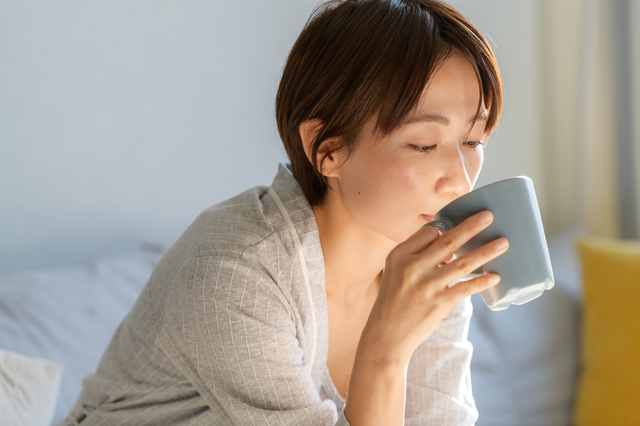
[{"x": 525, "y": 268}]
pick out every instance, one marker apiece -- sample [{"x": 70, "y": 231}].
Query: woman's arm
[
  {"x": 437, "y": 378},
  {"x": 377, "y": 387},
  {"x": 414, "y": 299},
  {"x": 439, "y": 375}
]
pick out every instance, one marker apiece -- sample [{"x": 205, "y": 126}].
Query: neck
[{"x": 354, "y": 254}]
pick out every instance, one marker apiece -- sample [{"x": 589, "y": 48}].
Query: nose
[{"x": 454, "y": 181}]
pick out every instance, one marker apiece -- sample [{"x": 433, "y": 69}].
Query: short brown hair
[{"x": 357, "y": 58}]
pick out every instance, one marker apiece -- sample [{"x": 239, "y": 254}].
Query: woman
[{"x": 323, "y": 299}]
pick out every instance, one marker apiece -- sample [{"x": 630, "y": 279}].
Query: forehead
[
  {"x": 453, "y": 88},
  {"x": 452, "y": 93}
]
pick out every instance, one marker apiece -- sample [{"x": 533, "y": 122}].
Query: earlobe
[{"x": 308, "y": 131}]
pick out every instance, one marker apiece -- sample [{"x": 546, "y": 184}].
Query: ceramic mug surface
[{"x": 525, "y": 268}]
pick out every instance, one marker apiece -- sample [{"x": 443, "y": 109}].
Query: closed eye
[
  {"x": 472, "y": 144},
  {"x": 423, "y": 148},
  {"x": 476, "y": 144}
]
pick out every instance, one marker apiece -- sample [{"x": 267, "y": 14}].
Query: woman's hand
[
  {"x": 414, "y": 298},
  {"x": 414, "y": 294}
]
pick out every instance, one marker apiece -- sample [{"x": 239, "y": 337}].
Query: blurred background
[{"x": 121, "y": 121}]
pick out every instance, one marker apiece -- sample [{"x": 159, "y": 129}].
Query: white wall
[
  {"x": 635, "y": 72},
  {"x": 513, "y": 30},
  {"x": 121, "y": 121}
]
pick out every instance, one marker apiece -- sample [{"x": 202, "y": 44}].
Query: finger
[
  {"x": 464, "y": 289},
  {"x": 450, "y": 259},
  {"x": 449, "y": 242},
  {"x": 417, "y": 242},
  {"x": 464, "y": 265},
  {"x": 446, "y": 261}
]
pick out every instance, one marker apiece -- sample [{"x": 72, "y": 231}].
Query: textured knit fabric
[{"x": 232, "y": 329}]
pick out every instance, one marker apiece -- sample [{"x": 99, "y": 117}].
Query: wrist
[
  {"x": 377, "y": 388},
  {"x": 376, "y": 352}
]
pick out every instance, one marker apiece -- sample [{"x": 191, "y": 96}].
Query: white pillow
[
  {"x": 68, "y": 315},
  {"x": 28, "y": 390}
]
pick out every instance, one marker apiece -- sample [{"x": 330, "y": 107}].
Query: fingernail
[
  {"x": 485, "y": 216},
  {"x": 500, "y": 244},
  {"x": 493, "y": 279}
]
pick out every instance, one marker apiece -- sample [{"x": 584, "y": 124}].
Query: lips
[{"x": 428, "y": 218}]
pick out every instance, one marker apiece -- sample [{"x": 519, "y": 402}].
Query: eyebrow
[{"x": 437, "y": 118}]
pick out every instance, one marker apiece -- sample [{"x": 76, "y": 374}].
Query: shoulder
[
  {"x": 233, "y": 225},
  {"x": 231, "y": 228},
  {"x": 262, "y": 225},
  {"x": 247, "y": 244},
  {"x": 232, "y": 244}
]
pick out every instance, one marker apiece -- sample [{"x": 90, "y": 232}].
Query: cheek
[
  {"x": 378, "y": 179},
  {"x": 417, "y": 177},
  {"x": 474, "y": 165},
  {"x": 389, "y": 197},
  {"x": 369, "y": 184}
]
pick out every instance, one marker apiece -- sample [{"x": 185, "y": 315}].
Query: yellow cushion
[{"x": 608, "y": 391}]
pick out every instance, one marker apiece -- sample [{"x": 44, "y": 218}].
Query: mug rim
[
  {"x": 520, "y": 177},
  {"x": 514, "y": 178}
]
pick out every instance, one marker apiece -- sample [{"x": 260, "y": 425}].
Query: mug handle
[{"x": 443, "y": 225}]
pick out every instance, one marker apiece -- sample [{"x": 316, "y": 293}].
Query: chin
[{"x": 402, "y": 235}]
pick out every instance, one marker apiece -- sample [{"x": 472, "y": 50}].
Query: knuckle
[
  {"x": 471, "y": 224},
  {"x": 432, "y": 289},
  {"x": 465, "y": 290},
  {"x": 410, "y": 272},
  {"x": 463, "y": 264},
  {"x": 393, "y": 258},
  {"x": 437, "y": 305},
  {"x": 433, "y": 231},
  {"x": 447, "y": 241},
  {"x": 488, "y": 251},
  {"x": 477, "y": 285},
  {"x": 443, "y": 308},
  {"x": 468, "y": 290}
]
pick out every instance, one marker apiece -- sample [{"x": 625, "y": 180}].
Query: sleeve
[
  {"x": 439, "y": 374},
  {"x": 230, "y": 331}
]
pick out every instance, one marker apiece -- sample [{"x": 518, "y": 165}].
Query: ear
[{"x": 308, "y": 130}]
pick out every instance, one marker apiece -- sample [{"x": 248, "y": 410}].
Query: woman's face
[{"x": 422, "y": 165}]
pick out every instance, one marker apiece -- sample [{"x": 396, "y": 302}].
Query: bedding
[
  {"x": 68, "y": 315},
  {"x": 28, "y": 389}
]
